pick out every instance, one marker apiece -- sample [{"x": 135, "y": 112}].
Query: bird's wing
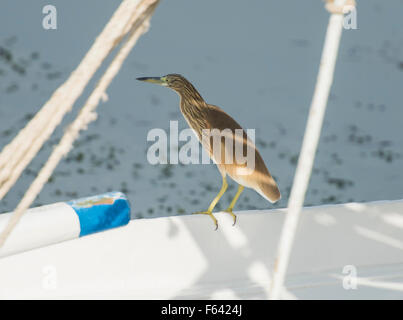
[
  {"x": 258, "y": 177},
  {"x": 221, "y": 127},
  {"x": 219, "y": 119}
]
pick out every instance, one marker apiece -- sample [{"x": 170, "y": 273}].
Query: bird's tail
[{"x": 270, "y": 191}]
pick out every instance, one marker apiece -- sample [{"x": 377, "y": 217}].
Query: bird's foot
[
  {"x": 211, "y": 215},
  {"x": 229, "y": 210}
]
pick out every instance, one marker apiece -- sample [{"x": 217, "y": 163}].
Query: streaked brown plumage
[{"x": 202, "y": 116}]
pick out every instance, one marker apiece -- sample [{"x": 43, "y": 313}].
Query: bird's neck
[
  {"x": 190, "y": 96},
  {"x": 191, "y": 102},
  {"x": 193, "y": 108}
]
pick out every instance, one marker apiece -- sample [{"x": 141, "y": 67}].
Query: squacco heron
[{"x": 208, "y": 122}]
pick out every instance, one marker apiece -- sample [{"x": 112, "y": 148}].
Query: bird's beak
[{"x": 157, "y": 80}]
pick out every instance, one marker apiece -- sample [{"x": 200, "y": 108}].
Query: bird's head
[{"x": 174, "y": 81}]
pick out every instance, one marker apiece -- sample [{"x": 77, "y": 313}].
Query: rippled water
[{"x": 258, "y": 60}]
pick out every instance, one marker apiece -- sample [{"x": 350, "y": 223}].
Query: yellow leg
[
  {"x": 214, "y": 202},
  {"x": 232, "y": 204}
]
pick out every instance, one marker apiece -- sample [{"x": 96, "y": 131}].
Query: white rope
[
  {"x": 19, "y": 153},
  {"x": 308, "y": 149},
  {"x": 86, "y": 115}
]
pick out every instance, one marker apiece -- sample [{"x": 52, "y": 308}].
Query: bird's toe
[
  {"x": 229, "y": 210},
  {"x": 211, "y": 215}
]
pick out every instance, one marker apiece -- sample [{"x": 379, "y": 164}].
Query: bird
[{"x": 205, "y": 118}]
